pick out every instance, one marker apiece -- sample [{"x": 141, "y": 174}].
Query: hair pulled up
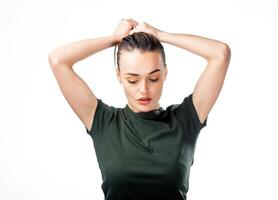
[{"x": 141, "y": 41}]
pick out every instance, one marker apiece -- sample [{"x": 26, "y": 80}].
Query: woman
[{"x": 143, "y": 151}]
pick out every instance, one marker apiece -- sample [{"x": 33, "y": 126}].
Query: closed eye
[
  {"x": 132, "y": 82},
  {"x": 152, "y": 80}
]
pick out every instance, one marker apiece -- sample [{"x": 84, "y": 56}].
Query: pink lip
[
  {"x": 144, "y": 102},
  {"x": 144, "y": 98}
]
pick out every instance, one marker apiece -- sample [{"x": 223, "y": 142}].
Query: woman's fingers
[
  {"x": 133, "y": 26},
  {"x": 145, "y": 27},
  {"x": 124, "y": 27},
  {"x": 132, "y": 21}
]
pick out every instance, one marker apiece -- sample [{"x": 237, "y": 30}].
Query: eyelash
[{"x": 152, "y": 80}]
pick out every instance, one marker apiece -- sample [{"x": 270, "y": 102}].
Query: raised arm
[
  {"x": 210, "y": 82},
  {"x": 61, "y": 59},
  {"x": 216, "y": 53},
  {"x": 77, "y": 93}
]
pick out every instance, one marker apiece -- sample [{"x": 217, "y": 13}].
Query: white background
[{"x": 45, "y": 152}]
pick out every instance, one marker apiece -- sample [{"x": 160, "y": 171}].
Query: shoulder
[
  {"x": 186, "y": 112},
  {"x": 103, "y": 116}
]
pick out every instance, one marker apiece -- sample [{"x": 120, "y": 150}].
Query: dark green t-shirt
[{"x": 145, "y": 155}]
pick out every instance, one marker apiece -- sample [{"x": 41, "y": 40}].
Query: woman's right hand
[{"x": 123, "y": 28}]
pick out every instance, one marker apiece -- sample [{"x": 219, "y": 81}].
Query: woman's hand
[
  {"x": 124, "y": 27},
  {"x": 145, "y": 27}
]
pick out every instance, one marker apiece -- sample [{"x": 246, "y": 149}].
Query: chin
[{"x": 145, "y": 108}]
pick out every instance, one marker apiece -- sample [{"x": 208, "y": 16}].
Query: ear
[
  {"x": 118, "y": 75},
  {"x": 165, "y": 71}
]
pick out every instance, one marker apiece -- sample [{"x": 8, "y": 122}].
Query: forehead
[{"x": 141, "y": 63}]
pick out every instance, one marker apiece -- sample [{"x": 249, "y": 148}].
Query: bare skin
[
  {"x": 217, "y": 54},
  {"x": 75, "y": 90},
  {"x": 83, "y": 101},
  {"x": 145, "y": 83}
]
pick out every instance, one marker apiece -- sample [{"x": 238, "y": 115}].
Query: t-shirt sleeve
[
  {"x": 103, "y": 115},
  {"x": 187, "y": 114}
]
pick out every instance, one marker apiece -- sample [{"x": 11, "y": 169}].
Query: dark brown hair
[{"x": 138, "y": 40}]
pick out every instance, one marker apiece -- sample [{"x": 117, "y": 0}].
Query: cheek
[
  {"x": 157, "y": 85},
  {"x": 130, "y": 90},
  {"x": 157, "y": 89}
]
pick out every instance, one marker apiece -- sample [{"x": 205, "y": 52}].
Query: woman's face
[{"x": 142, "y": 74}]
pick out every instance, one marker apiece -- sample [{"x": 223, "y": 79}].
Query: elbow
[
  {"x": 222, "y": 56},
  {"x": 224, "y": 52},
  {"x": 53, "y": 59}
]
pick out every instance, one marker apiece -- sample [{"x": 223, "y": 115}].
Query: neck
[{"x": 135, "y": 110}]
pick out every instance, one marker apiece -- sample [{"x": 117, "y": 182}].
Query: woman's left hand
[{"x": 145, "y": 27}]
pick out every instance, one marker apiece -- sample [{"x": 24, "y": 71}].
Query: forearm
[
  {"x": 204, "y": 47},
  {"x": 71, "y": 53}
]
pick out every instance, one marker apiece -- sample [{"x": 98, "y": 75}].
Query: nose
[{"x": 144, "y": 87}]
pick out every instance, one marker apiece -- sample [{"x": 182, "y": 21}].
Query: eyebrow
[{"x": 133, "y": 74}]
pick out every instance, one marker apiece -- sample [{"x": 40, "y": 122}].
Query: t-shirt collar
[{"x": 153, "y": 114}]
